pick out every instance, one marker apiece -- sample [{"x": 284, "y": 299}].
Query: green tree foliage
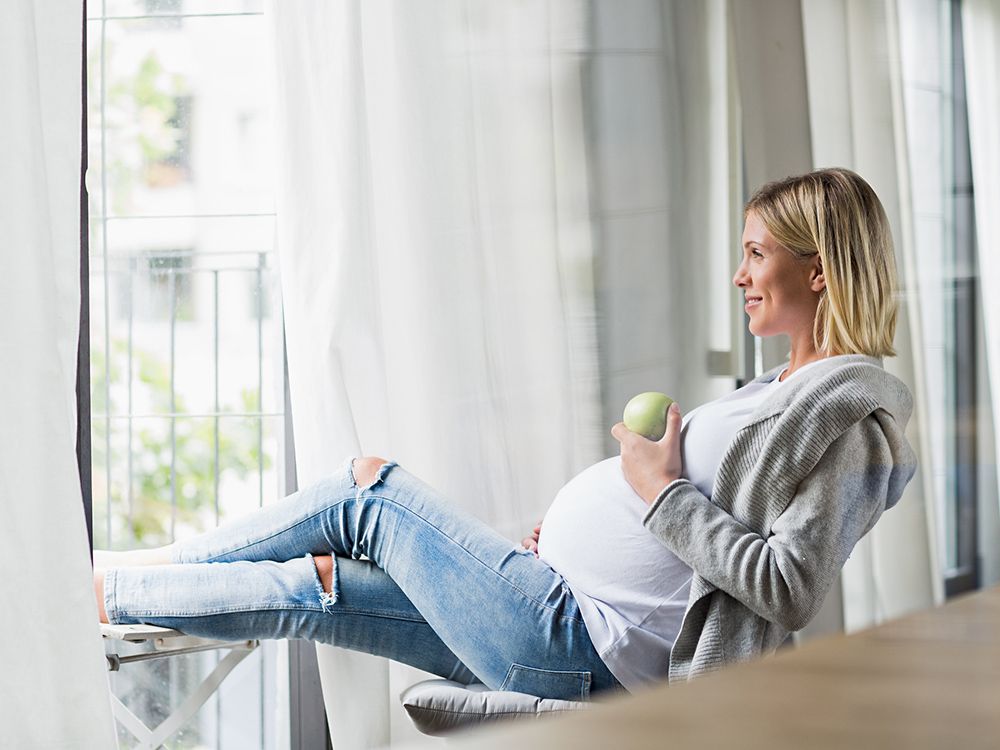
[
  {"x": 187, "y": 455},
  {"x": 140, "y": 111}
]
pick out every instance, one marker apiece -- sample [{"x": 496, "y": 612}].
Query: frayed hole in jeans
[
  {"x": 380, "y": 473},
  {"x": 327, "y": 598}
]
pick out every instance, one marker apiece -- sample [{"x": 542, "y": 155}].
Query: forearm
[
  {"x": 767, "y": 579},
  {"x": 785, "y": 575}
]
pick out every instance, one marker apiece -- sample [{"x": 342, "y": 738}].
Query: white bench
[{"x": 167, "y": 643}]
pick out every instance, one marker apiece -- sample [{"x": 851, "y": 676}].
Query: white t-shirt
[{"x": 632, "y": 590}]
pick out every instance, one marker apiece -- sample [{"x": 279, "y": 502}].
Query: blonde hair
[{"x": 835, "y": 213}]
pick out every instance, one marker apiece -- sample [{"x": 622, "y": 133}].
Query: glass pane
[
  {"x": 95, "y": 124},
  {"x": 930, "y": 105},
  {"x": 99, "y": 365},
  {"x": 112, "y": 498},
  {"x": 245, "y": 688},
  {"x": 242, "y": 466},
  {"x": 101, "y": 482},
  {"x": 115, "y": 8},
  {"x": 272, "y": 342},
  {"x": 198, "y": 454},
  {"x": 185, "y": 311},
  {"x": 196, "y": 235},
  {"x": 174, "y": 476},
  {"x": 109, "y": 330},
  {"x": 186, "y": 130},
  {"x": 176, "y": 311},
  {"x": 239, "y": 342},
  {"x": 195, "y": 366},
  {"x": 153, "y": 289},
  {"x": 273, "y": 477},
  {"x": 153, "y": 501}
]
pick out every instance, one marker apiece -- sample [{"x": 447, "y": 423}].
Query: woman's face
[{"x": 781, "y": 291}]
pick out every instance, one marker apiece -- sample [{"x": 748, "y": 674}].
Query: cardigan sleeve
[{"x": 784, "y": 577}]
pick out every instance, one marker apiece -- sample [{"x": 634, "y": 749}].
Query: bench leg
[{"x": 150, "y": 739}]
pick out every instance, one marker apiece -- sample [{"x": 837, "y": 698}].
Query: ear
[{"x": 817, "y": 281}]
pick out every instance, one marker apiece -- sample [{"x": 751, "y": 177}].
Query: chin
[{"x": 760, "y": 332}]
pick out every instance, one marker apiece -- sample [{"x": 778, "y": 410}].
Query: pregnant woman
[{"x": 677, "y": 557}]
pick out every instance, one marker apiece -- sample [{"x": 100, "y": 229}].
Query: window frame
[
  {"x": 308, "y": 726},
  {"x": 83, "y": 422},
  {"x": 966, "y": 575}
]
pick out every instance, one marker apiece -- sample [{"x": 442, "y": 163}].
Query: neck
[{"x": 801, "y": 359}]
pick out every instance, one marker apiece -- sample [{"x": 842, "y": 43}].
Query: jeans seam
[
  {"x": 262, "y": 608},
  {"x": 378, "y": 613},
  {"x": 584, "y": 676},
  {"x": 223, "y": 611}
]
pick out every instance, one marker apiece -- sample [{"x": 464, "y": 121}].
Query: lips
[{"x": 753, "y": 302}]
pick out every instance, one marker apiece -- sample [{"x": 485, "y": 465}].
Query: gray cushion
[{"x": 437, "y": 707}]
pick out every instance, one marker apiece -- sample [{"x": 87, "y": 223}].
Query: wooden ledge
[{"x": 928, "y": 680}]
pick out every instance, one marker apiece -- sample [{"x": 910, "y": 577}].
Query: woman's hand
[
  {"x": 647, "y": 465},
  {"x": 531, "y": 542}
]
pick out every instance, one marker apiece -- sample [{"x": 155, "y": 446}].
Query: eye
[{"x": 758, "y": 254}]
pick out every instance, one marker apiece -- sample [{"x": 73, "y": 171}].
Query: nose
[{"x": 741, "y": 276}]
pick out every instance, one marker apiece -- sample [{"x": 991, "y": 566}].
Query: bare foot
[{"x": 99, "y": 594}]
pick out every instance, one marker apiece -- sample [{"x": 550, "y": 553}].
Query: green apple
[{"x": 646, "y": 414}]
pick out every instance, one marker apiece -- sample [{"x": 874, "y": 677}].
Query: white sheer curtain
[
  {"x": 857, "y": 121},
  {"x": 54, "y": 690},
  {"x": 486, "y": 220},
  {"x": 435, "y": 256},
  {"x": 981, "y": 31},
  {"x": 830, "y": 98}
]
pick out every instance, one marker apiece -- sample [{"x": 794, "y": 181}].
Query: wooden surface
[{"x": 930, "y": 680}]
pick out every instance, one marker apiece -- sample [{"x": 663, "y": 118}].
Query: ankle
[{"x": 99, "y": 594}]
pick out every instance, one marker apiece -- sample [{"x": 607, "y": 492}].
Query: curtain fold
[
  {"x": 497, "y": 222},
  {"x": 435, "y": 255},
  {"x": 485, "y": 220},
  {"x": 981, "y": 33},
  {"x": 857, "y": 121},
  {"x": 54, "y": 693}
]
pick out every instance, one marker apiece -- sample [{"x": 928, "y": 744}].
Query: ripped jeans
[{"x": 440, "y": 590}]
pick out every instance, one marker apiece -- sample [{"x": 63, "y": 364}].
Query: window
[
  {"x": 187, "y": 380},
  {"x": 938, "y": 142}
]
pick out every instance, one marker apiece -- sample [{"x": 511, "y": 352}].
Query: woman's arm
[{"x": 785, "y": 577}]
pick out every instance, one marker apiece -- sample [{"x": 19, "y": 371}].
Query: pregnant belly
[{"x": 593, "y": 536}]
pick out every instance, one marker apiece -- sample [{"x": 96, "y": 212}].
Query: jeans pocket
[{"x": 547, "y": 683}]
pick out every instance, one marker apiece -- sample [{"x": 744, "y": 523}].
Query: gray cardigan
[{"x": 799, "y": 485}]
